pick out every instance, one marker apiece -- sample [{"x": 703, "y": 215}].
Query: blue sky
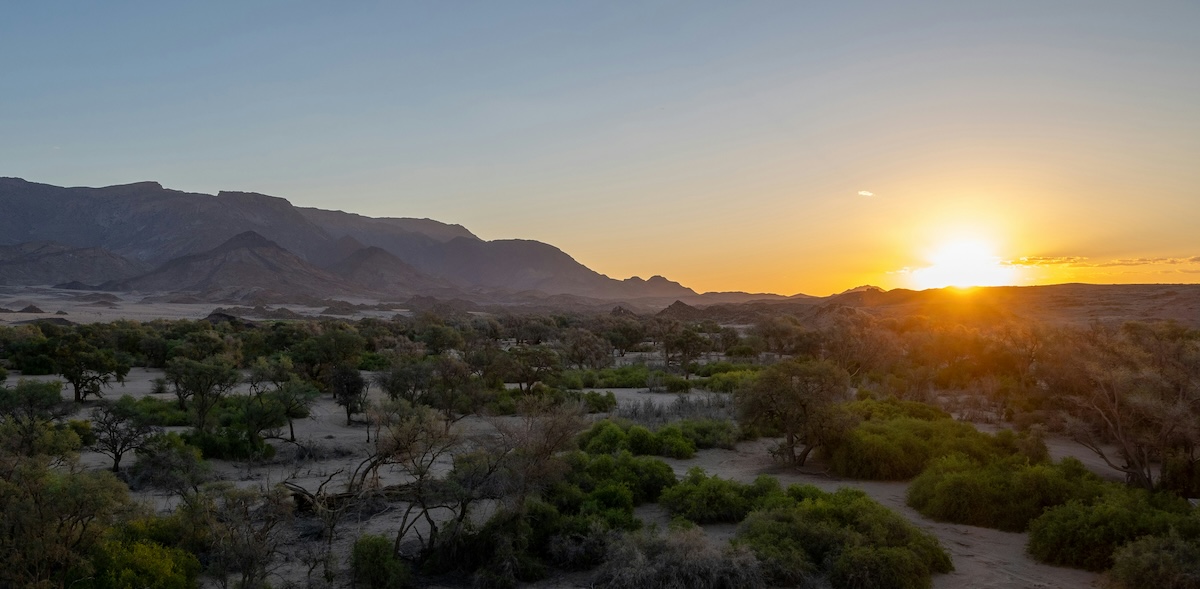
[{"x": 721, "y": 144}]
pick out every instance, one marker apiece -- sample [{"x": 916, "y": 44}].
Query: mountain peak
[{"x": 863, "y": 288}]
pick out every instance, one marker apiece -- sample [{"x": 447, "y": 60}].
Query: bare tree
[
  {"x": 1117, "y": 392},
  {"x": 246, "y": 529}
]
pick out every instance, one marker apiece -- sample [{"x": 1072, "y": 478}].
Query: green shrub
[
  {"x": 373, "y": 361},
  {"x": 1005, "y": 494},
  {"x": 729, "y": 382},
  {"x": 605, "y": 437},
  {"x": 375, "y": 566},
  {"x": 846, "y": 536},
  {"x": 571, "y": 379},
  {"x": 598, "y": 402},
  {"x": 141, "y": 564},
  {"x": 34, "y": 365},
  {"x": 710, "y": 433},
  {"x": 645, "y": 477},
  {"x": 642, "y": 441},
  {"x": 718, "y": 368},
  {"x": 662, "y": 381},
  {"x": 502, "y": 403},
  {"x": 703, "y": 499},
  {"x": 229, "y": 443},
  {"x": 1086, "y": 534},
  {"x": 672, "y": 442},
  {"x": 676, "y": 440},
  {"x": 625, "y": 377},
  {"x": 161, "y": 413},
  {"x": 1163, "y": 562},
  {"x": 888, "y": 567},
  {"x": 706, "y": 499},
  {"x": 869, "y": 409}
]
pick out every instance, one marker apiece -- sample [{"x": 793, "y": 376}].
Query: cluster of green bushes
[
  {"x": 703, "y": 499},
  {"x": 901, "y": 447},
  {"x": 868, "y": 408},
  {"x": 632, "y": 376},
  {"x": 727, "y": 382},
  {"x": 843, "y": 536},
  {"x": 1087, "y": 533},
  {"x": 229, "y": 443},
  {"x": 679, "y": 439},
  {"x": 1073, "y": 517},
  {"x": 802, "y": 534},
  {"x": 724, "y": 377},
  {"x": 660, "y": 381},
  {"x": 161, "y": 413},
  {"x": 1004, "y": 494}
]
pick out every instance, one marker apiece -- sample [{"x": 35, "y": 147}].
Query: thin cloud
[
  {"x": 1147, "y": 261},
  {"x": 1082, "y": 262},
  {"x": 865, "y": 193},
  {"x": 1047, "y": 261}
]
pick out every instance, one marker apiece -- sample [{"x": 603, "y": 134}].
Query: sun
[{"x": 963, "y": 264}]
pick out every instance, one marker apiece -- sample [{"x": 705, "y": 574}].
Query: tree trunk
[{"x": 804, "y": 455}]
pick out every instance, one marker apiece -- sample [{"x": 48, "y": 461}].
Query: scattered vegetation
[{"x": 872, "y": 398}]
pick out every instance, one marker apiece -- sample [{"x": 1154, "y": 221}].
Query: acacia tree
[
  {"x": 624, "y": 334},
  {"x": 204, "y": 382},
  {"x": 53, "y": 519},
  {"x": 796, "y": 397},
  {"x": 277, "y": 391},
  {"x": 686, "y": 345},
  {"x": 120, "y": 428},
  {"x": 532, "y": 364},
  {"x": 28, "y": 409},
  {"x": 349, "y": 389},
  {"x": 407, "y": 378},
  {"x": 295, "y": 398},
  {"x": 89, "y": 370},
  {"x": 584, "y": 349}
]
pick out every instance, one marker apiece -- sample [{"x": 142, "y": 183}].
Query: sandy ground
[
  {"x": 982, "y": 557},
  {"x": 79, "y": 306}
]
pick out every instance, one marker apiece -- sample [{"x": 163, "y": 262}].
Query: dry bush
[
  {"x": 678, "y": 558},
  {"x": 717, "y": 406}
]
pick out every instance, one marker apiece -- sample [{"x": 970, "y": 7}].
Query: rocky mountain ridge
[{"x": 144, "y": 226}]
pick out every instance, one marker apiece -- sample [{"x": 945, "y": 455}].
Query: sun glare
[{"x": 963, "y": 264}]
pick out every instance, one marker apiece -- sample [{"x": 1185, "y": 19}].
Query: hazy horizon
[{"x": 759, "y": 147}]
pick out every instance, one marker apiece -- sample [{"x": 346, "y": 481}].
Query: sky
[{"x": 778, "y": 146}]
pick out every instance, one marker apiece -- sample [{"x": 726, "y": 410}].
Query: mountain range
[{"x": 245, "y": 246}]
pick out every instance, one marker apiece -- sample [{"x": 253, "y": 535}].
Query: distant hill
[
  {"x": 150, "y": 225},
  {"x": 248, "y": 266},
  {"x": 47, "y": 262}
]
